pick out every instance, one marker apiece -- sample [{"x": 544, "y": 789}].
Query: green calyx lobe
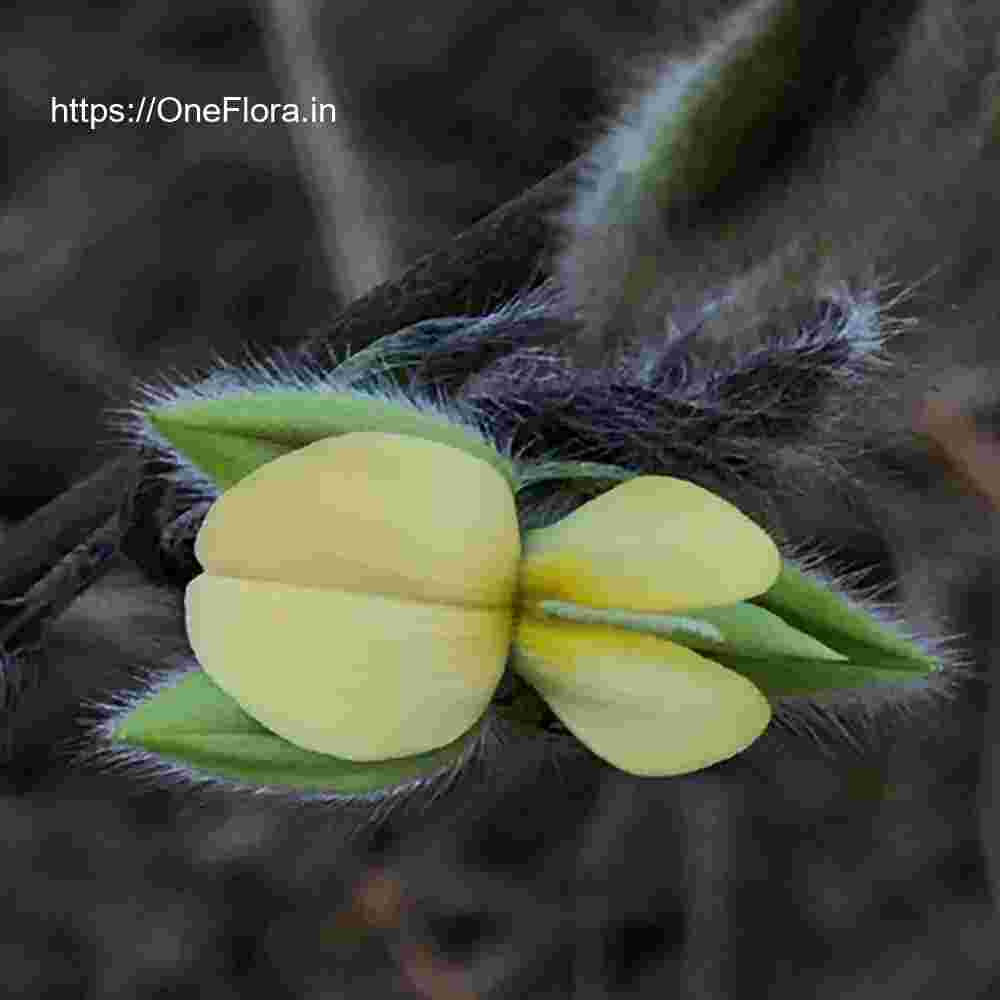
[
  {"x": 798, "y": 638},
  {"x": 231, "y": 437},
  {"x": 196, "y": 724},
  {"x": 806, "y": 604}
]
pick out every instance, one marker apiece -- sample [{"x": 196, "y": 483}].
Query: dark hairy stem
[
  {"x": 36, "y": 544},
  {"x": 504, "y": 253},
  {"x": 56, "y": 553},
  {"x": 59, "y": 587}
]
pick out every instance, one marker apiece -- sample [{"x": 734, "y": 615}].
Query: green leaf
[
  {"x": 806, "y": 604},
  {"x": 196, "y": 724},
  {"x": 230, "y": 437},
  {"x": 225, "y": 458}
]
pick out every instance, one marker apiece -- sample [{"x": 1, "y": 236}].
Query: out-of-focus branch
[
  {"x": 350, "y": 215},
  {"x": 32, "y": 547}
]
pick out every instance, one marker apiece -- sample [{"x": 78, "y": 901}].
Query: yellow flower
[
  {"x": 362, "y": 596},
  {"x": 644, "y": 703}
]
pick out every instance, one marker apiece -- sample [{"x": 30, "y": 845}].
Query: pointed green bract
[
  {"x": 231, "y": 437},
  {"x": 785, "y": 676},
  {"x": 224, "y": 458},
  {"x": 752, "y": 631},
  {"x": 196, "y": 724},
  {"x": 805, "y": 604}
]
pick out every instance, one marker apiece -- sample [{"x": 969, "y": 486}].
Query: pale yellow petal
[
  {"x": 354, "y": 675},
  {"x": 373, "y": 512},
  {"x": 652, "y": 544},
  {"x": 643, "y": 704}
]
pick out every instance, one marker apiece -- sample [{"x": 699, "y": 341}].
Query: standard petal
[
  {"x": 374, "y": 512},
  {"x": 654, "y": 543},
  {"x": 643, "y": 704},
  {"x": 359, "y": 676}
]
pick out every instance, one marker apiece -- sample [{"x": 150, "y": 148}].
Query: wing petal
[
  {"x": 654, "y": 543},
  {"x": 642, "y": 703}
]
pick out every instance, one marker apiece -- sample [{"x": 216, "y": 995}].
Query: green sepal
[
  {"x": 395, "y": 352},
  {"x": 784, "y": 676},
  {"x": 806, "y": 604},
  {"x": 195, "y": 724},
  {"x": 224, "y": 458},
  {"x": 587, "y": 473},
  {"x": 740, "y": 629},
  {"x": 780, "y": 658},
  {"x": 231, "y": 437}
]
